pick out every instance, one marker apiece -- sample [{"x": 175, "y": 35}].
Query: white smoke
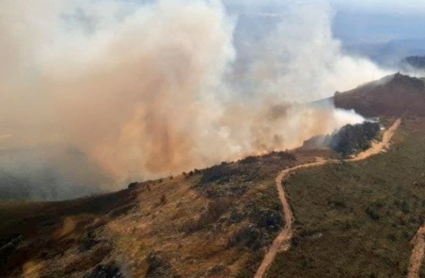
[
  {"x": 300, "y": 60},
  {"x": 142, "y": 88}
]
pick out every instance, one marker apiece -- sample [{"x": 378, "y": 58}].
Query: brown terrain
[
  {"x": 224, "y": 221},
  {"x": 206, "y": 223},
  {"x": 395, "y": 95}
]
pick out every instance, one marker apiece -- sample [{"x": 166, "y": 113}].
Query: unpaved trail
[
  {"x": 283, "y": 240},
  {"x": 378, "y": 147},
  {"x": 417, "y": 256}
]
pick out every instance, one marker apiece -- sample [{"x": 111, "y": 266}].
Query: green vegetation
[
  {"x": 357, "y": 219},
  {"x": 352, "y": 139}
]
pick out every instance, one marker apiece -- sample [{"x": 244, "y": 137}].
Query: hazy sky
[
  {"x": 388, "y": 6},
  {"x": 357, "y": 23},
  {"x": 399, "y": 6}
]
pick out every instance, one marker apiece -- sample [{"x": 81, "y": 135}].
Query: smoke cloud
[
  {"x": 143, "y": 90},
  {"x": 301, "y": 61}
]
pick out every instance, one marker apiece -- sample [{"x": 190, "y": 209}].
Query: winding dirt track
[
  {"x": 283, "y": 240},
  {"x": 417, "y": 254}
]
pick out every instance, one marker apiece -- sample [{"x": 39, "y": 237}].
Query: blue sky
[
  {"x": 382, "y": 6},
  {"x": 357, "y": 23}
]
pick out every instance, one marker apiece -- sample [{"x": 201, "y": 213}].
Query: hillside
[
  {"x": 206, "y": 223},
  {"x": 358, "y": 219},
  {"x": 395, "y": 95},
  {"x": 301, "y": 213},
  {"x": 212, "y": 139},
  {"x": 413, "y": 63},
  {"x": 216, "y": 222}
]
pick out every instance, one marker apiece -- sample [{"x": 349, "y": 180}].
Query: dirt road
[
  {"x": 283, "y": 240},
  {"x": 378, "y": 147},
  {"x": 417, "y": 256}
]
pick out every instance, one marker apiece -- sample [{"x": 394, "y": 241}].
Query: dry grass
[{"x": 199, "y": 225}]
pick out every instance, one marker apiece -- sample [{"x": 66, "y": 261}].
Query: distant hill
[
  {"x": 394, "y": 95},
  {"x": 413, "y": 64}
]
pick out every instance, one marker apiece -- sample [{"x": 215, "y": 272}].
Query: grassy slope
[
  {"x": 357, "y": 219},
  {"x": 203, "y": 251},
  {"x": 190, "y": 232}
]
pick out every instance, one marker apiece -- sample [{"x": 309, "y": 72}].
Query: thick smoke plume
[
  {"x": 149, "y": 89},
  {"x": 301, "y": 61}
]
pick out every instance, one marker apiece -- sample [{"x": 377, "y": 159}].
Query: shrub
[
  {"x": 214, "y": 211},
  {"x": 163, "y": 199},
  {"x": 133, "y": 185},
  {"x": 249, "y": 160},
  {"x": 219, "y": 173},
  {"x": 353, "y": 138},
  {"x": 285, "y": 155},
  {"x": 373, "y": 213},
  {"x": 249, "y": 236},
  {"x": 268, "y": 219}
]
